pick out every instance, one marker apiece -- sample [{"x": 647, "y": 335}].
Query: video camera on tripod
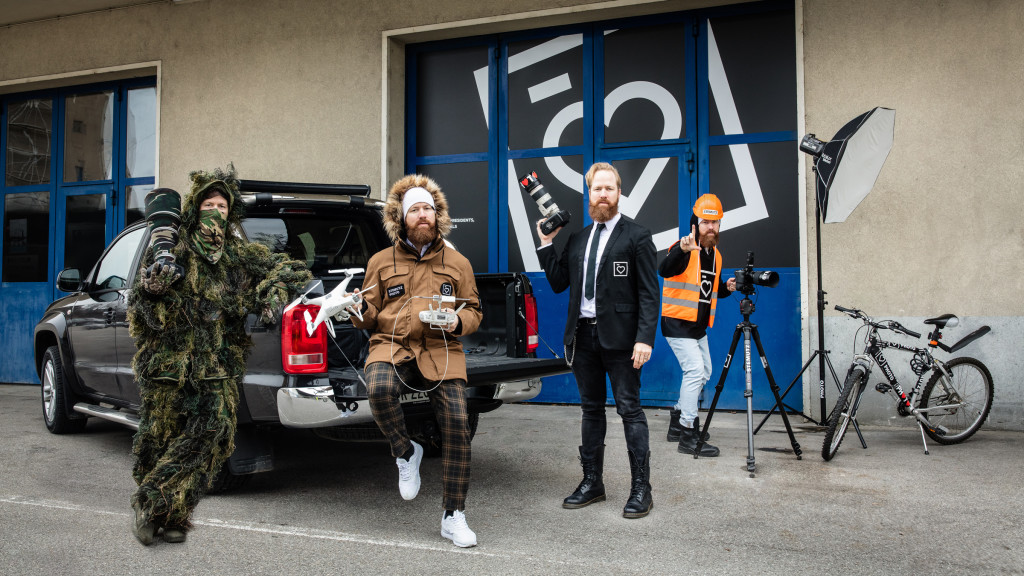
[{"x": 747, "y": 277}]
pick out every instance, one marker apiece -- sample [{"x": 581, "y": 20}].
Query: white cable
[{"x": 443, "y": 336}]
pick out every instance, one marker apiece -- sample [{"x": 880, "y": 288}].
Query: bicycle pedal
[{"x": 883, "y": 387}]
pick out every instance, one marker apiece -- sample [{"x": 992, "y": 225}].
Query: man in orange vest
[{"x": 693, "y": 278}]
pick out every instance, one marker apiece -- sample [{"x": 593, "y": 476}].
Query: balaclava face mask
[{"x": 209, "y": 235}]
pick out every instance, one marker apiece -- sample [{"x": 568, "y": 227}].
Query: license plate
[{"x": 414, "y": 398}]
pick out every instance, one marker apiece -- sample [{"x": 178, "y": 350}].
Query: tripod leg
[
  {"x": 748, "y": 393},
  {"x": 718, "y": 391},
  {"x": 775, "y": 390},
  {"x": 788, "y": 388}
]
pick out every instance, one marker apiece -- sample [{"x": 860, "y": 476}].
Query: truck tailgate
[{"x": 485, "y": 370}]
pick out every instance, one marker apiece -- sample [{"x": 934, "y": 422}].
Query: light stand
[
  {"x": 821, "y": 353},
  {"x": 845, "y": 170}
]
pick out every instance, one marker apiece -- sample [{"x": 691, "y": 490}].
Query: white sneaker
[
  {"x": 409, "y": 473},
  {"x": 454, "y": 528}
]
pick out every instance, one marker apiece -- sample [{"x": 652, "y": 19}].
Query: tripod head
[{"x": 746, "y": 307}]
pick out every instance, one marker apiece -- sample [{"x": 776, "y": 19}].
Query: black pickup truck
[{"x": 83, "y": 351}]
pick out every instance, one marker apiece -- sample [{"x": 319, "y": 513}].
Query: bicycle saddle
[{"x": 943, "y": 321}]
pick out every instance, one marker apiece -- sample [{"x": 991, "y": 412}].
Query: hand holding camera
[{"x": 553, "y": 217}]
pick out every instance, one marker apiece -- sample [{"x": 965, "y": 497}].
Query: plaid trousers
[{"x": 449, "y": 402}]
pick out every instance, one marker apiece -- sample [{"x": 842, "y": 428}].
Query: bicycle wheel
[
  {"x": 843, "y": 412},
  {"x": 957, "y": 406}
]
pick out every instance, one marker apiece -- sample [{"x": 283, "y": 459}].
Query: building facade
[{"x": 103, "y": 100}]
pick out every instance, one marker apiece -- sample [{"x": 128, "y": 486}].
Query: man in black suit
[{"x": 610, "y": 268}]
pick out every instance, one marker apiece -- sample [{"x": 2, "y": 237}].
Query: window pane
[
  {"x": 451, "y": 96},
  {"x": 29, "y": 126},
  {"x": 761, "y": 206},
  {"x": 26, "y": 237},
  {"x": 465, "y": 187},
  {"x": 84, "y": 230},
  {"x": 650, "y": 188},
  {"x": 88, "y": 136},
  {"x": 115, "y": 269},
  {"x": 758, "y": 61},
  {"x": 644, "y": 85},
  {"x": 135, "y": 203},
  {"x": 545, "y": 93},
  {"x": 140, "y": 146},
  {"x": 562, "y": 178}
]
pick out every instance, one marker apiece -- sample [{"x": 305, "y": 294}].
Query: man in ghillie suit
[
  {"x": 405, "y": 352},
  {"x": 187, "y": 315}
]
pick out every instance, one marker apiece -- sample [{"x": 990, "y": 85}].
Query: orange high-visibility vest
[{"x": 681, "y": 294}]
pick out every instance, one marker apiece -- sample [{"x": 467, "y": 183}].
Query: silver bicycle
[{"x": 951, "y": 400}]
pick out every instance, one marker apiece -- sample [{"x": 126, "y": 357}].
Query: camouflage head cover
[{"x": 209, "y": 233}]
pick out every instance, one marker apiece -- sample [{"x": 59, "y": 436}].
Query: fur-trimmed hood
[
  {"x": 203, "y": 181},
  {"x": 394, "y": 220}
]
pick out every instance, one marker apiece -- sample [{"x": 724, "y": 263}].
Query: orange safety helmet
[{"x": 708, "y": 207}]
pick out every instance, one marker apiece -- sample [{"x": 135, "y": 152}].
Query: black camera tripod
[{"x": 748, "y": 330}]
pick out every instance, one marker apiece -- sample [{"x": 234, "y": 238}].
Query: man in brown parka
[{"x": 409, "y": 355}]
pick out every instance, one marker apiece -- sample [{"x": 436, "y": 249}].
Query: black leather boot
[
  {"x": 591, "y": 489},
  {"x": 696, "y": 426},
  {"x": 673, "y": 426},
  {"x": 640, "y": 500},
  {"x": 688, "y": 442}
]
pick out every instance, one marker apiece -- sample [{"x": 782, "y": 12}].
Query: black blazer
[{"x": 627, "y": 300}]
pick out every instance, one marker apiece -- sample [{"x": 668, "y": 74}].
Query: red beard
[
  {"x": 603, "y": 212},
  {"x": 422, "y": 236},
  {"x": 709, "y": 239}
]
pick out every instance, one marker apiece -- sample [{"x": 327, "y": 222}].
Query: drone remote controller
[{"x": 438, "y": 318}]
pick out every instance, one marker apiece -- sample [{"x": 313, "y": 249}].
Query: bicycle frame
[{"x": 907, "y": 405}]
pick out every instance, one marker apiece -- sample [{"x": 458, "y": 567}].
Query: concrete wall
[
  {"x": 295, "y": 91},
  {"x": 941, "y": 231}
]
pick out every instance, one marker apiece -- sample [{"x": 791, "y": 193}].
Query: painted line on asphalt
[{"x": 312, "y": 533}]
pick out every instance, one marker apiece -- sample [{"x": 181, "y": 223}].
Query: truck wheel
[
  {"x": 430, "y": 435},
  {"x": 57, "y": 398},
  {"x": 225, "y": 481}
]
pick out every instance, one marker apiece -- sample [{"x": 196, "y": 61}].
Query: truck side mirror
[{"x": 69, "y": 280}]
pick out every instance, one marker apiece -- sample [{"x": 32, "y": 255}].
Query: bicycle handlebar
[
  {"x": 896, "y": 326},
  {"x": 886, "y": 324}
]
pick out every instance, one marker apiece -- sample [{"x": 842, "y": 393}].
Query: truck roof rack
[{"x": 303, "y": 187}]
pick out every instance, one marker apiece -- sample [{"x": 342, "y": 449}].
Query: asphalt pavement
[{"x": 334, "y": 508}]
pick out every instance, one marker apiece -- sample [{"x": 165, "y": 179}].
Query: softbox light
[{"x": 850, "y": 163}]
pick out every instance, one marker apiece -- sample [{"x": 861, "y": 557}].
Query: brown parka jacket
[{"x": 405, "y": 284}]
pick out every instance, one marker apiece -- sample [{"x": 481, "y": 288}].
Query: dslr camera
[
  {"x": 555, "y": 218},
  {"x": 747, "y": 277}
]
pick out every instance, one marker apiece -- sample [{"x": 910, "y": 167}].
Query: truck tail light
[
  {"x": 300, "y": 352},
  {"x": 532, "y": 338}
]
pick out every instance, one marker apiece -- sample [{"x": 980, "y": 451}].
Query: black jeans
[{"x": 590, "y": 365}]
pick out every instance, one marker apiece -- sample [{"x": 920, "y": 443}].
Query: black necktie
[{"x": 592, "y": 263}]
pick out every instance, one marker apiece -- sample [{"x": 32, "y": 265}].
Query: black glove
[{"x": 161, "y": 275}]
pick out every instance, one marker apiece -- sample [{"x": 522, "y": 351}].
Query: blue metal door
[{"x": 76, "y": 163}]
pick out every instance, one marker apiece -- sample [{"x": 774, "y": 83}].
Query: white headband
[{"x": 416, "y": 195}]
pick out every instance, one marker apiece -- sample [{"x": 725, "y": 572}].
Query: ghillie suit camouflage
[{"x": 192, "y": 345}]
